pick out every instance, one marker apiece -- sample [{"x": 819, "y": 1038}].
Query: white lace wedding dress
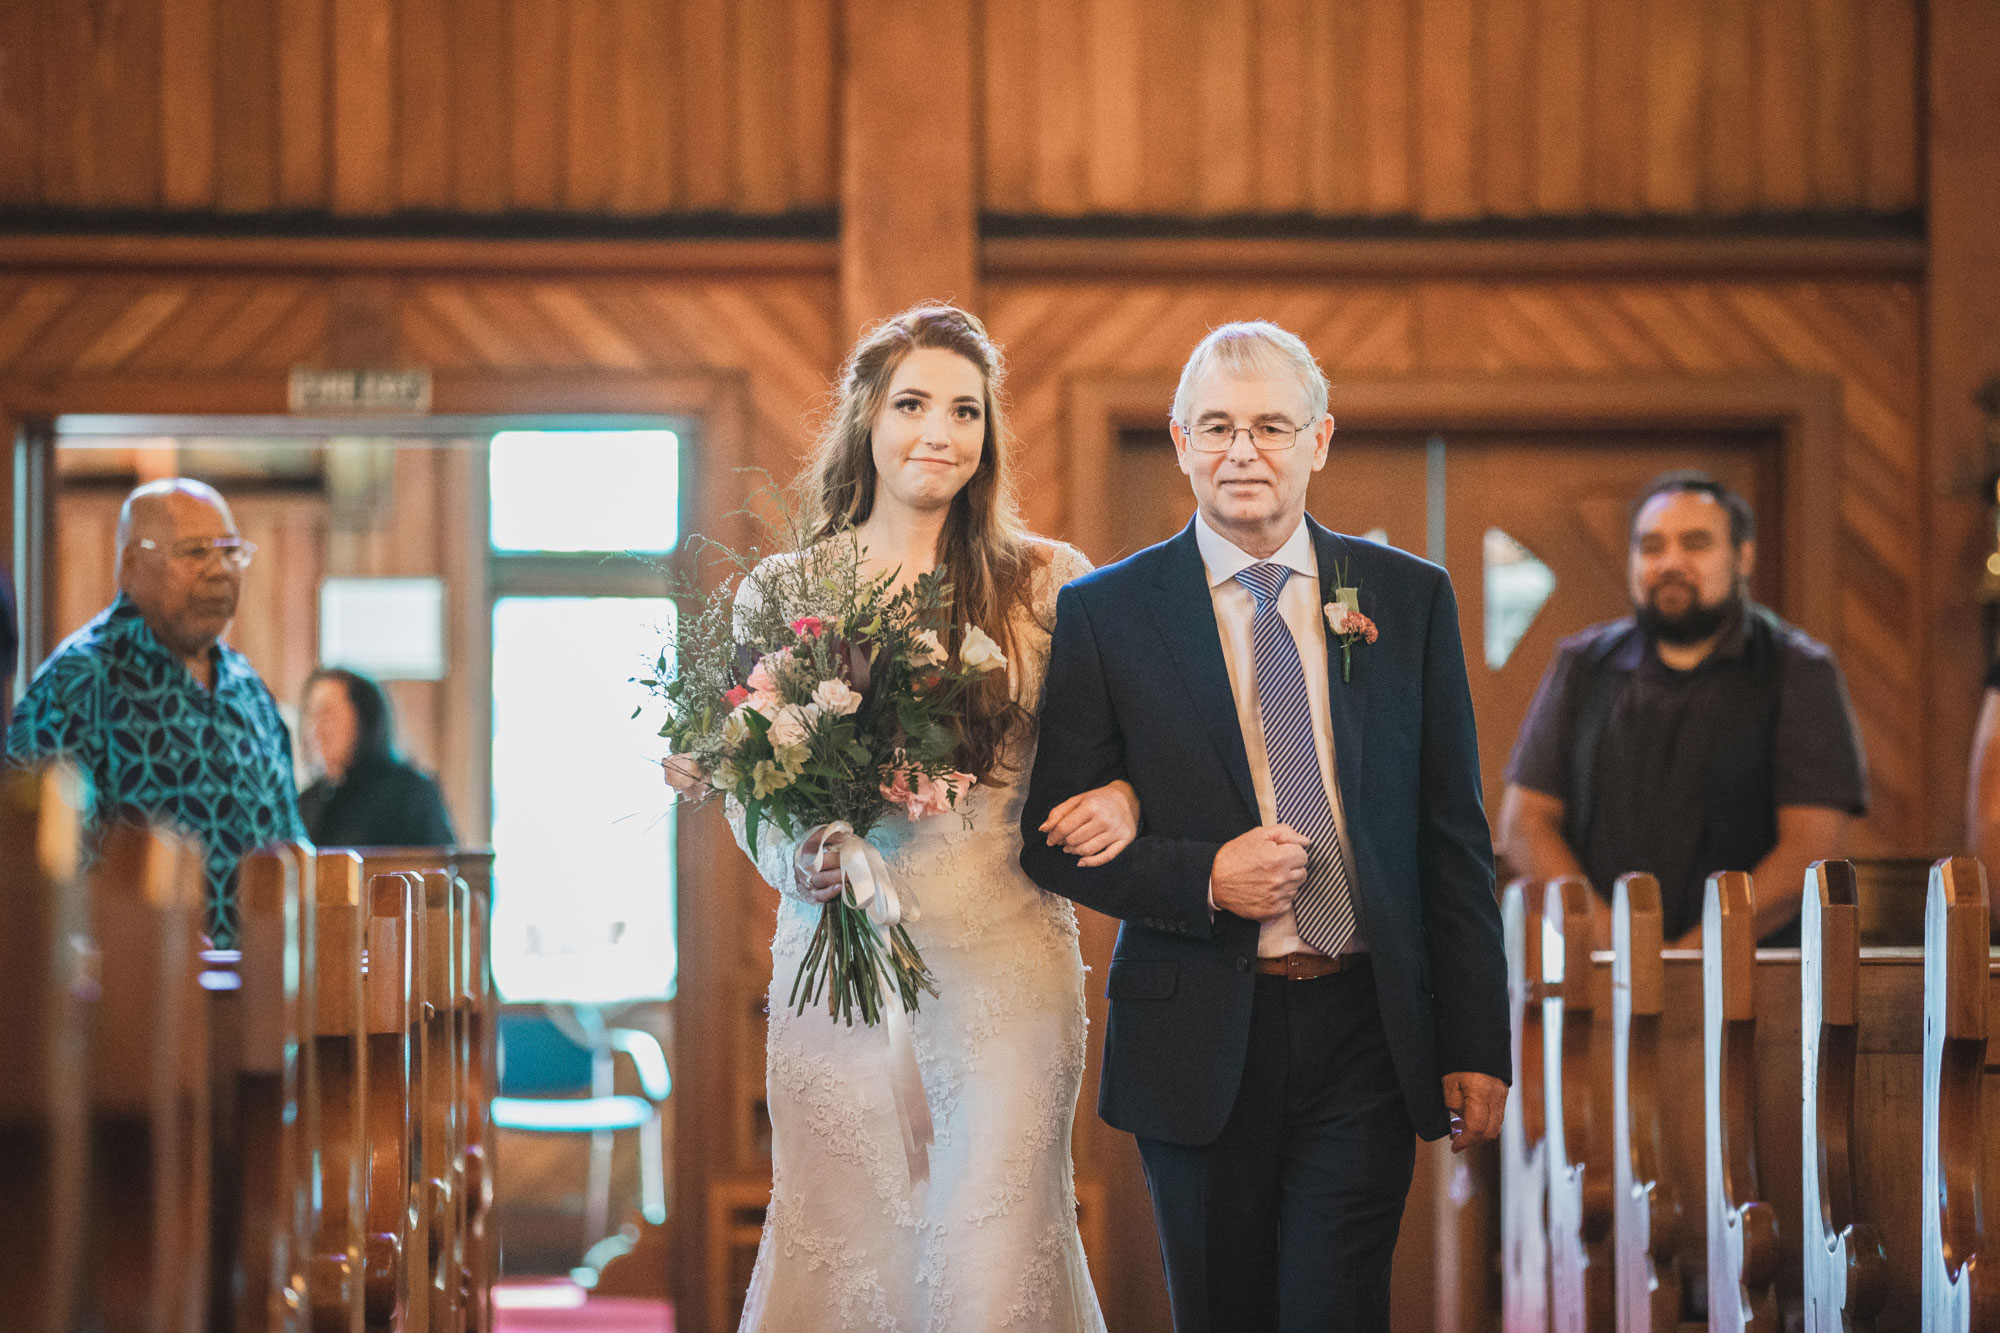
[{"x": 991, "y": 1243}]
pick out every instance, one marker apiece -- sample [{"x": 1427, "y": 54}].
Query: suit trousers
[{"x": 1287, "y": 1222}]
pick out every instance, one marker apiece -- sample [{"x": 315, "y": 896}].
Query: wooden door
[{"x": 1564, "y": 498}]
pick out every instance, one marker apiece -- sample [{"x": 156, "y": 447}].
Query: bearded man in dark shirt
[{"x": 1700, "y": 734}]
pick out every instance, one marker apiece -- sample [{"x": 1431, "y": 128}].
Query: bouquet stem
[{"x": 846, "y": 961}]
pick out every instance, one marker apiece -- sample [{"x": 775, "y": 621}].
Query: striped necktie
[{"x": 1324, "y": 907}]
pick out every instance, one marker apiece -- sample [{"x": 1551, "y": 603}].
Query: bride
[{"x": 914, "y": 461}]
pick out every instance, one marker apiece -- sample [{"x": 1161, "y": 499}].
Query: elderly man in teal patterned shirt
[{"x": 166, "y": 720}]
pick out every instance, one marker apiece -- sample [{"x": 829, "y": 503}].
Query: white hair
[
  {"x": 1252, "y": 347},
  {"x": 154, "y": 490}
]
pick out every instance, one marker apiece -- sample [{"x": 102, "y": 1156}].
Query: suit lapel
[
  {"x": 1347, "y": 702},
  {"x": 1185, "y": 615}
]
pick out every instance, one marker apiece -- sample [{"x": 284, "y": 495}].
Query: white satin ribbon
[{"x": 873, "y": 890}]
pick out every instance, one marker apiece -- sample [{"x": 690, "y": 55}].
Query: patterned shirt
[{"x": 128, "y": 712}]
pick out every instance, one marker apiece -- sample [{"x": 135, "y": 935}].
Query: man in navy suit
[{"x": 1309, "y": 974}]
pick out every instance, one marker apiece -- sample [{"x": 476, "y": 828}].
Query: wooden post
[
  {"x": 1962, "y": 316},
  {"x": 391, "y": 1121},
  {"x": 45, "y": 981},
  {"x": 340, "y": 1074},
  {"x": 1844, "y": 1265},
  {"x": 1960, "y": 1292},
  {"x": 1578, "y": 1205},
  {"x": 273, "y": 1213},
  {"x": 1644, "y": 1230},
  {"x": 1742, "y": 1229},
  {"x": 1524, "y": 1259},
  {"x": 908, "y": 198}
]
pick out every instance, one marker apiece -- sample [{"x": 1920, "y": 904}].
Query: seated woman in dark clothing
[{"x": 365, "y": 796}]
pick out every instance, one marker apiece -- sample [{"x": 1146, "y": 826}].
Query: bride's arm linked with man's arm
[{"x": 1172, "y": 884}]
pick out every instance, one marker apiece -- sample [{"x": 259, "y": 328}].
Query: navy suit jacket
[{"x": 1138, "y": 689}]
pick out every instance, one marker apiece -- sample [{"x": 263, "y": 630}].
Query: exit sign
[{"x": 402, "y": 392}]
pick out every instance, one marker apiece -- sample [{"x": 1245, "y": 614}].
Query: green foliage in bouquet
[{"x": 818, "y": 693}]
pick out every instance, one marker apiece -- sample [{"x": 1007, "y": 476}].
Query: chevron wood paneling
[{"x": 1864, "y": 334}]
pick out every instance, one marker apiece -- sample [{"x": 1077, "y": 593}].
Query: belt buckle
[{"x": 1300, "y": 967}]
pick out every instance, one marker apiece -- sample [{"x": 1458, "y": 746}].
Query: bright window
[
  {"x": 582, "y": 836},
  {"x": 601, "y": 490}
]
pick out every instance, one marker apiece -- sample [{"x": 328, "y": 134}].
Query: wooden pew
[
  {"x": 146, "y": 1265},
  {"x": 443, "y": 1094},
  {"x": 44, "y": 984},
  {"x": 1524, "y": 1172},
  {"x": 1961, "y": 1289},
  {"x": 1751, "y": 1096},
  {"x": 391, "y": 1124},
  {"x": 1574, "y": 1080},
  {"x": 461, "y": 1173},
  {"x": 336, "y": 1093},
  {"x": 264, "y": 1219},
  {"x": 1656, "y": 1181},
  {"x": 1862, "y": 1042}
]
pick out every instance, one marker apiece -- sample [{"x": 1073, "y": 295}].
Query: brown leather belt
[{"x": 1306, "y": 966}]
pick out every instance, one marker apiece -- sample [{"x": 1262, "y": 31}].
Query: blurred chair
[{"x": 556, "y": 1077}]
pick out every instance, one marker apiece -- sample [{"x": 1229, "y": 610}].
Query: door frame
[
  {"x": 1804, "y": 410},
  {"x": 711, "y": 1135}
]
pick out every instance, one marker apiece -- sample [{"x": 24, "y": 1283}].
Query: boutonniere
[{"x": 1344, "y": 618}]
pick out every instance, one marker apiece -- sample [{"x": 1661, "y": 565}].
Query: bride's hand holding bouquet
[{"x": 821, "y": 698}]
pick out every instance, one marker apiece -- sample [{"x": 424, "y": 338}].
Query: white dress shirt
[{"x": 1300, "y": 604}]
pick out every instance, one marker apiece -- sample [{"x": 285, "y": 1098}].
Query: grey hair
[
  {"x": 1252, "y": 347},
  {"x": 152, "y": 490}
]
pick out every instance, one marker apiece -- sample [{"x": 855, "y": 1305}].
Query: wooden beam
[
  {"x": 1101, "y": 259},
  {"x": 907, "y": 188},
  {"x": 310, "y": 255},
  {"x": 1962, "y": 309}
]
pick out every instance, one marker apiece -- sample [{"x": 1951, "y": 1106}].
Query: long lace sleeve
[
  {"x": 1065, "y": 563},
  {"x": 774, "y": 852}
]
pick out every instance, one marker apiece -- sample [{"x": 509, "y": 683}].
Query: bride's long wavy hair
[{"x": 984, "y": 546}]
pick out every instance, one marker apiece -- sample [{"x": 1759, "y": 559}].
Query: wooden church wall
[
  {"x": 1438, "y": 109},
  {"x": 1451, "y": 109}
]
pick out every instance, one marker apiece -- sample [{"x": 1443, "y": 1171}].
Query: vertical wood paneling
[
  {"x": 1784, "y": 105},
  {"x": 1839, "y": 159},
  {"x": 590, "y": 113},
  {"x": 364, "y": 108},
  {"x": 68, "y": 143},
  {"x": 1889, "y": 104},
  {"x": 1448, "y": 168},
  {"x": 1671, "y": 180},
  {"x": 1117, "y": 90},
  {"x": 302, "y": 103},
  {"x": 1561, "y": 93},
  {"x": 1333, "y": 158},
  {"x": 1061, "y": 107},
  {"x": 1730, "y": 124},
  {"x": 707, "y": 89},
  {"x": 645, "y": 180},
  {"x": 1504, "y": 49},
  {"x": 1385, "y": 107},
  {"x": 1169, "y": 115},
  {"x": 763, "y": 106},
  {"x": 246, "y": 128},
  {"x": 124, "y": 73},
  {"x": 423, "y": 104},
  {"x": 1617, "y": 104},
  {"x": 481, "y": 74},
  {"x": 540, "y": 48},
  {"x": 188, "y": 97},
  {"x": 1443, "y": 109},
  {"x": 813, "y": 123}
]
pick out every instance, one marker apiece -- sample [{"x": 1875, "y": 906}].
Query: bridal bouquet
[{"x": 821, "y": 695}]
